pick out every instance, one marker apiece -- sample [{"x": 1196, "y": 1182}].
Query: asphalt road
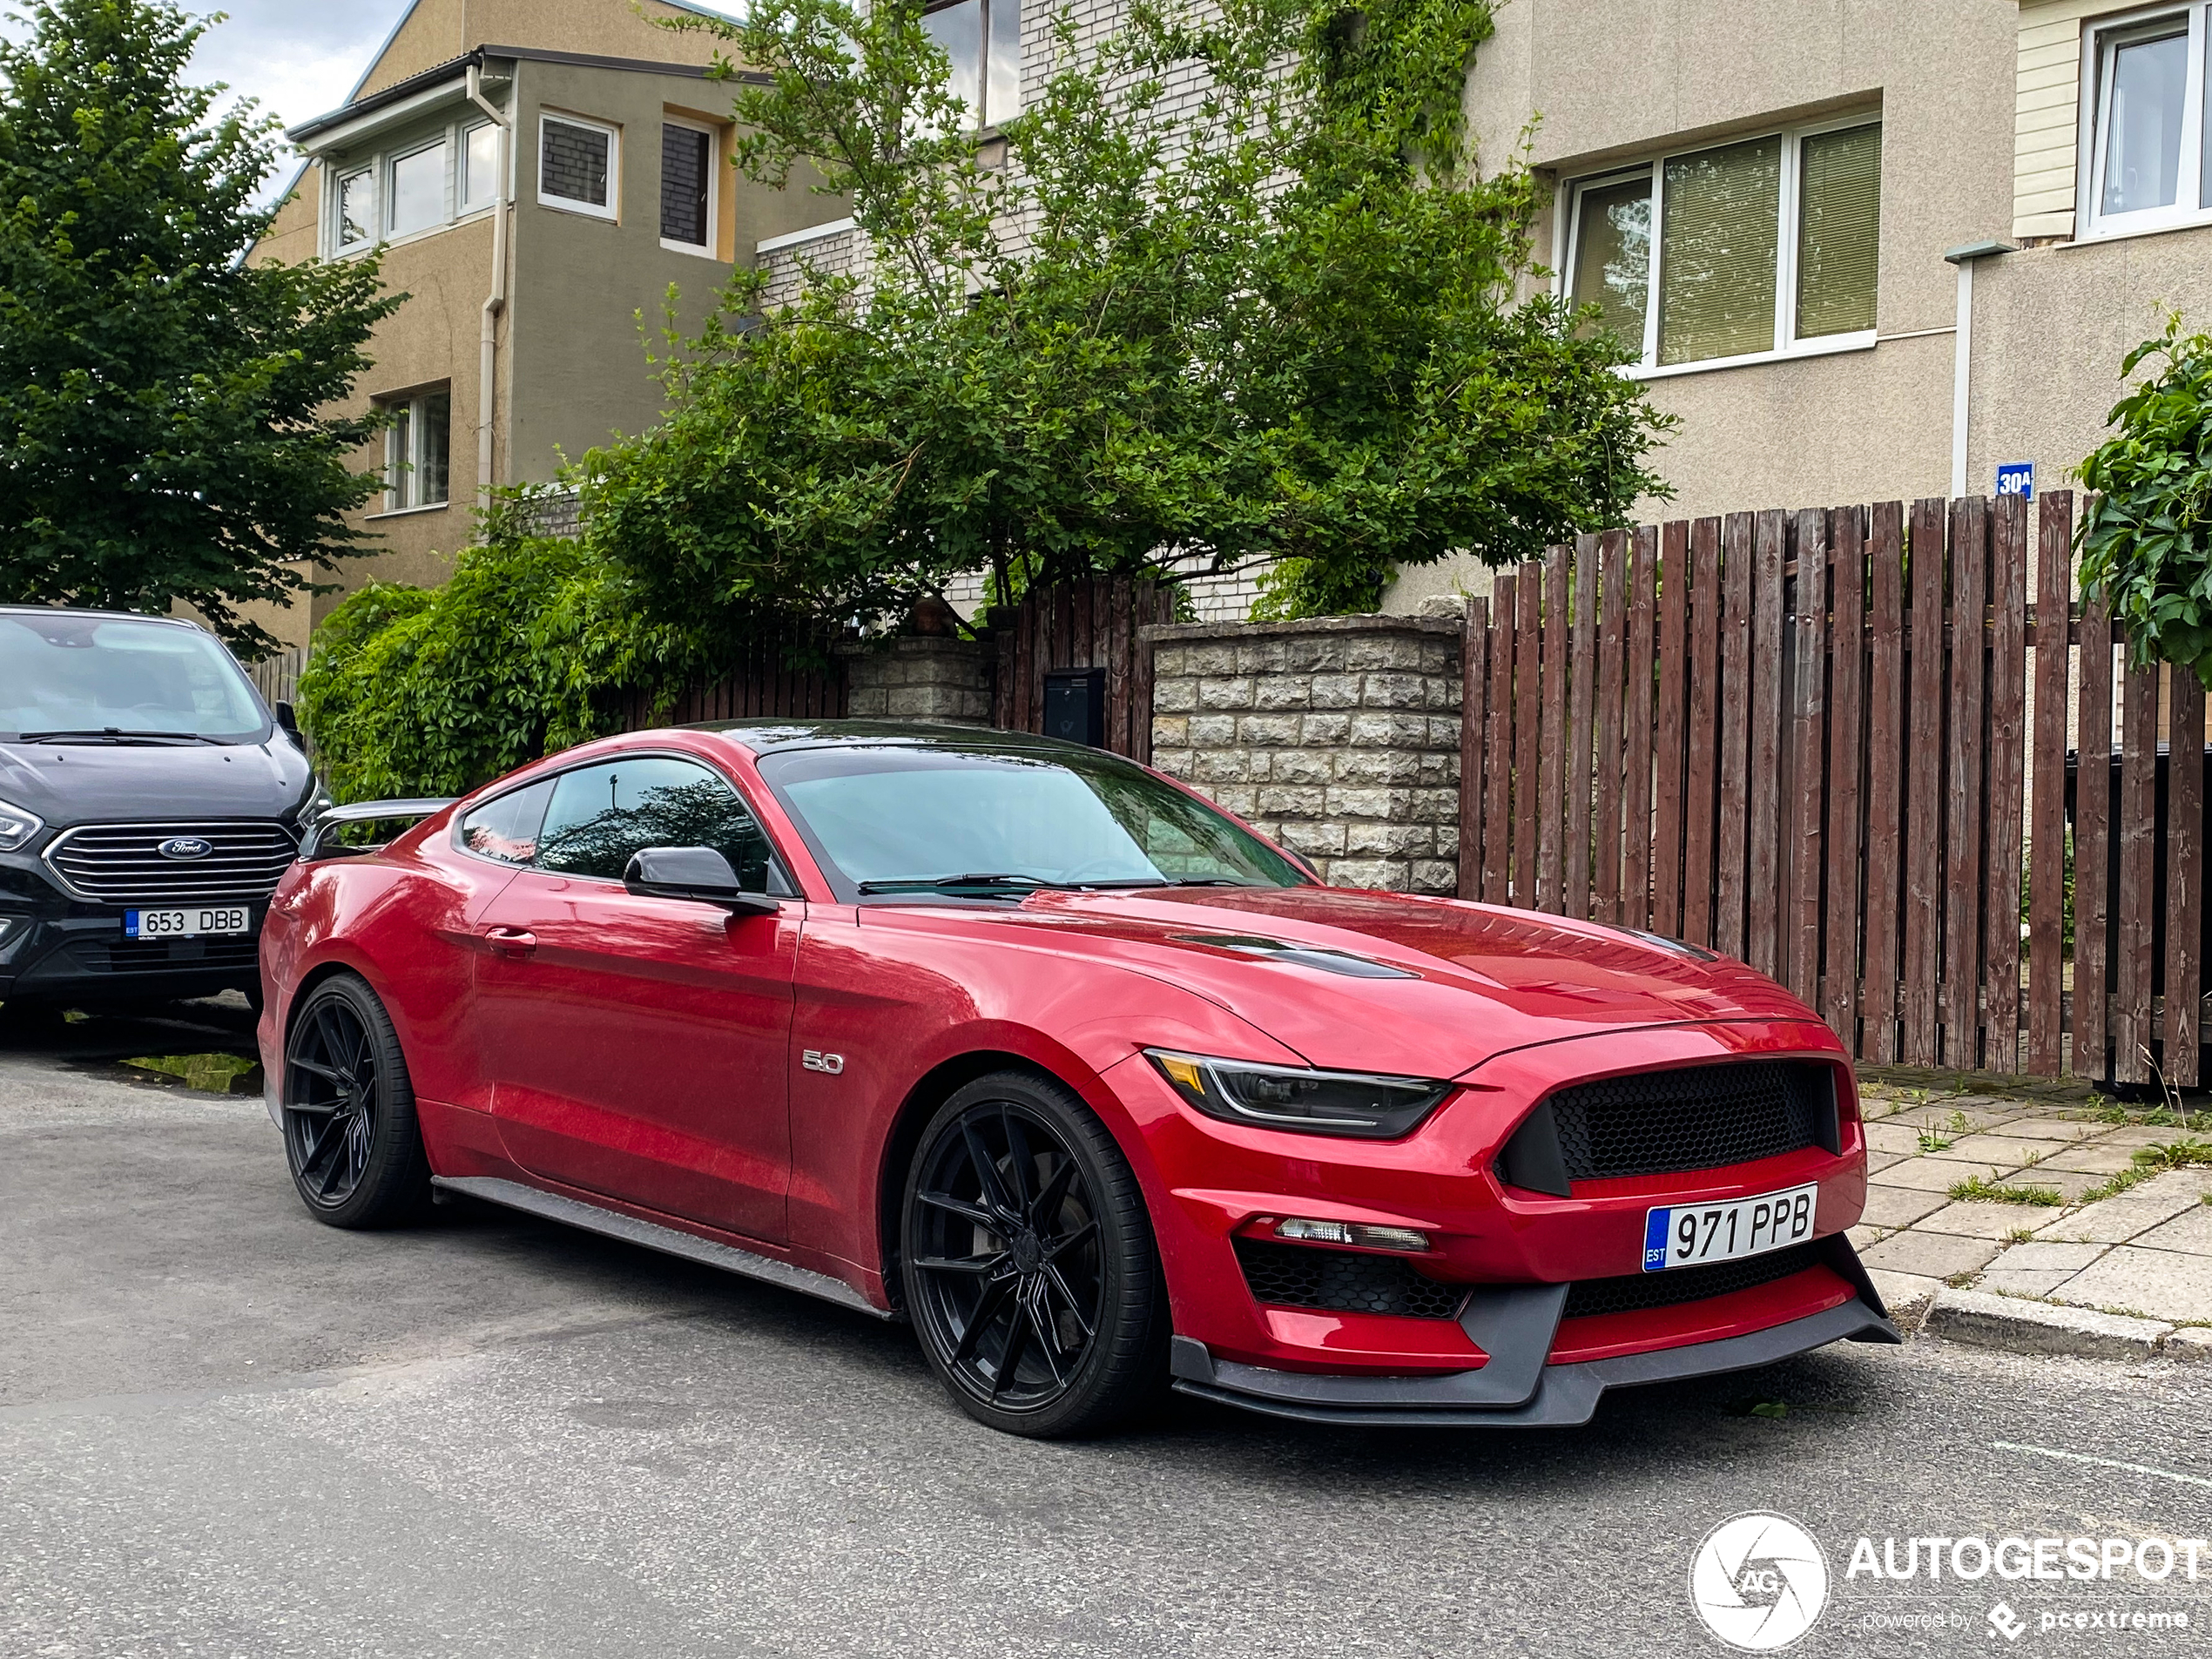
[{"x": 226, "y": 1429}]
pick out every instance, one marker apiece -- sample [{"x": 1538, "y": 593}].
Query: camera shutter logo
[
  {"x": 185, "y": 846},
  {"x": 1759, "y": 1582}
]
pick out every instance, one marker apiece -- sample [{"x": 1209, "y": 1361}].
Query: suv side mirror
[{"x": 698, "y": 874}]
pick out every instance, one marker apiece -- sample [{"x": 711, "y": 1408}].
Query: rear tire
[
  {"x": 350, "y": 1133},
  {"x": 1028, "y": 1262}
]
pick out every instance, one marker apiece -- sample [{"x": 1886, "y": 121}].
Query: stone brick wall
[
  {"x": 1339, "y": 737},
  {"x": 918, "y": 678}
]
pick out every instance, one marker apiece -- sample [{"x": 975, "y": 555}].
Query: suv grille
[
  {"x": 1697, "y": 1117},
  {"x": 1634, "y": 1290},
  {"x": 1299, "y": 1276},
  {"x": 122, "y": 863},
  {"x": 164, "y": 955}
]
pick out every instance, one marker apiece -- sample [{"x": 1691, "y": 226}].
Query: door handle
[{"x": 514, "y": 941}]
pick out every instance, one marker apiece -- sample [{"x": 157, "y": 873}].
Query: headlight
[
  {"x": 1314, "y": 1102},
  {"x": 17, "y": 827}
]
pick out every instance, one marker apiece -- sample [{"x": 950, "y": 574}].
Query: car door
[{"x": 639, "y": 1047}]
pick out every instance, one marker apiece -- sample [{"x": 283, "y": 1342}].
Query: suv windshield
[
  {"x": 98, "y": 678},
  {"x": 990, "y": 822}
]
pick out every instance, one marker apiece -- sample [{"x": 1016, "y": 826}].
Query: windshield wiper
[
  {"x": 111, "y": 734},
  {"x": 948, "y": 883}
]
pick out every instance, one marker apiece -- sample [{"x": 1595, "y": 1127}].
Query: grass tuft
[{"x": 1997, "y": 1192}]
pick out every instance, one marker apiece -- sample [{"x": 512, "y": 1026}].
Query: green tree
[
  {"x": 165, "y": 432},
  {"x": 2145, "y": 535},
  {"x": 1275, "y": 323}
]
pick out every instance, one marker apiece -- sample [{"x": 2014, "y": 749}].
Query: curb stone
[
  {"x": 2191, "y": 1342},
  {"x": 2021, "y": 1327}
]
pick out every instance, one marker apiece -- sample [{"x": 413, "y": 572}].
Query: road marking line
[{"x": 2105, "y": 1462}]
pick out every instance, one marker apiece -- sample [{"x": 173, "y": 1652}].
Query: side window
[
  {"x": 601, "y": 815},
  {"x": 507, "y": 828}
]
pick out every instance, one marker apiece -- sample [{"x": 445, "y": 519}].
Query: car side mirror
[
  {"x": 698, "y": 874},
  {"x": 287, "y": 720}
]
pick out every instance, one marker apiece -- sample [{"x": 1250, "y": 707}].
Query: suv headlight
[
  {"x": 1351, "y": 1104},
  {"x": 16, "y": 827}
]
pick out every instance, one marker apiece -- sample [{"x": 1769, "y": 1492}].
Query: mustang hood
[
  {"x": 1397, "y": 983},
  {"x": 93, "y": 783}
]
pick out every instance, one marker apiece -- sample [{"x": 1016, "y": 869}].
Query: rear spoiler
[{"x": 315, "y": 844}]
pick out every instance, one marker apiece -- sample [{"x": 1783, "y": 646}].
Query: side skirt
[{"x": 668, "y": 1240}]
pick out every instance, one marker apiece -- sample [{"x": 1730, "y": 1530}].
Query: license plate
[
  {"x": 1686, "y": 1235},
  {"x": 224, "y": 922}
]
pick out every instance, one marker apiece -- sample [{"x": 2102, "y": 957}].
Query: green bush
[
  {"x": 2146, "y": 536},
  {"x": 526, "y": 650}
]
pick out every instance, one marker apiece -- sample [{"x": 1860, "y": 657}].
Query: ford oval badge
[{"x": 185, "y": 846}]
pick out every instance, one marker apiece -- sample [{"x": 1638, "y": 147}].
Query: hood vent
[{"x": 1277, "y": 950}]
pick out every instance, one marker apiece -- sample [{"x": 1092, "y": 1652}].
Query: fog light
[{"x": 1353, "y": 1232}]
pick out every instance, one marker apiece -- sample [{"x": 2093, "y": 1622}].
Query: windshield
[
  {"x": 988, "y": 822},
  {"x": 92, "y": 677}
]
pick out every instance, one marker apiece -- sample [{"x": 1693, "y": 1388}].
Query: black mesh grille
[
  {"x": 164, "y": 956},
  {"x": 1699, "y": 1117},
  {"x": 123, "y": 863},
  {"x": 1634, "y": 1290},
  {"x": 1299, "y": 1277}
]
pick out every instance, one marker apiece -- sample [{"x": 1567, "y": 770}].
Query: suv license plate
[
  {"x": 228, "y": 922},
  {"x": 1686, "y": 1235}
]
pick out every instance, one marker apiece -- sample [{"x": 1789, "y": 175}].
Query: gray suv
[{"x": 149, "y": 803}]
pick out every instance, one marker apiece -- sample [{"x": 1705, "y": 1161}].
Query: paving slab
[
  {"x": 2158, "y": 1283},
  {"x": 1877, "y": 1161},
  {"x": 1931, "y": 1255},
  {"x": 1941, "y": 1116},
  {"x": 1900, "y": 1138},
  {"x": 2093, "y": 1157},
  {"x": 2073, "y": 1185},
  {"x": 1937, "y": 1174},
  {"x": 2042, "y": 1255},
  {"x": 1905, "y": 1295},
  {"x": 1888, "y": 1206},
  {"x": 2011, "y": 1151},
  {"x": 1863, "y": 1235},
  {"x": 2035, "y": 1282},
  {"x": 2047, "y": 1128},
  {"x": 1978, "y": 1219},
  {"x": 2023, "y": 1326},
  {"x": 2146, "y": 1134}
]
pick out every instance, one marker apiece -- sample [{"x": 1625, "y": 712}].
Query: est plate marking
[
  {"x": 219, "y": 921},
  {"x": 1689, "y": 1235}
]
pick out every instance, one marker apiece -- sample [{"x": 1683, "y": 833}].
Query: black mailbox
[{"x": 1074, "y": 705}]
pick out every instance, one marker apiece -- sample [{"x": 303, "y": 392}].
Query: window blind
[
  {"x": 1839, "y": 195},
  {"x": 1613, "y": 258},
  {"x": 1719, "y": 233}
]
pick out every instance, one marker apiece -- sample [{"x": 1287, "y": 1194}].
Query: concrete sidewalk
[{"x": 2049, "y": 1195}]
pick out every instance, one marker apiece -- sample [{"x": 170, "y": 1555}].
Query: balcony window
[
  {"x": 576, "y": 165},
  {"x": 1734, "y": 251},
  {"x": 418, "y": 194},
  {"x": 421, "y": 183},
  {"x": 2144, "y": 165},
  {"x": 356, "y": 208},
  {"x": 983, "y": 39},
  {"x": 480, "y": 167}
]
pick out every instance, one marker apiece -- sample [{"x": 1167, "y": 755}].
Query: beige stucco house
[{"x": 539, "y": 173}]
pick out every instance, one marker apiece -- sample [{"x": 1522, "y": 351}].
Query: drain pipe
[
  {"x": 1962, "y": 351},
  {"x": 488, "y": 348}
]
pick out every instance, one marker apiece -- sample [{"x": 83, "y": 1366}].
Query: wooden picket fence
[
  {"x": 767, "y": 680},
  {"x": 1805, "y": 739},
  {"x": 1088, "y": 623}
]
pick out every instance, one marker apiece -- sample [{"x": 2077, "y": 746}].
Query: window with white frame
[
  {"x": 480, "y": 166},
  {"x": 356, "y": 225},
  {"x": 418, "y": 192},
  {"x": 983, "y": 39},
  {"x": 1758, "y": 247},
  {"x": 686, "y": 186},
  {"x": 419, "y": 185},
  {"x": 576, "y": 165},
  {"x": 2144, "y": 134},
  {"x": 418, "y": 449}
]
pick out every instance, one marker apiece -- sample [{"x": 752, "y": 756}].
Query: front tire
[
  {"x": 350, "y": 1133},
  {"x": 1028, "y": 1262}
]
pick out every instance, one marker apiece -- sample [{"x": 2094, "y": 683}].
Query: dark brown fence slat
[
  {"x": 2184, "y": 878},
  {"x": 1497, "y": 785},
  {"x": 1807, "y": 735},
  {"x": 1575, "y": 874},
  {"x": 1612, "y": 640},
  {"x": 1528, "y": 732},
  {"x": 1962, "y": 884},
  {"x": 1637, "y": 712},
  {"x": 1474, "y": 731},
  {"x": 1551, "y": 764},
  {"x": 2047, "y": 855},
  {"x": 1731, "y": 857},
  {"x": 2007, "y": 698},
  {"x": 2091, "y": 843},
  {"x": 1670, "y": 686},
  {"x": 1846, "y": 761},
  {"x": 1923, "y": 788},
  {"x": 1701, "y": 740},
  {"x": 1762, "y": 861},
  {"x": 2135, "y": 833}
]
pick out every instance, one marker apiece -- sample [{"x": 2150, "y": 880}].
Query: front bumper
[
  {"x": 57, "y": 949},
  {"x": 1519, "y": 1387}
]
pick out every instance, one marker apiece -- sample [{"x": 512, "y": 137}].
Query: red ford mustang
[{"x": 1037, "y": 1049}]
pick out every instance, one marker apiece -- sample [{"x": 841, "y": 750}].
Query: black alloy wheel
[
  {"x": 349, "y": 1127},
  {"x": 1028, "y": 1262}
]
